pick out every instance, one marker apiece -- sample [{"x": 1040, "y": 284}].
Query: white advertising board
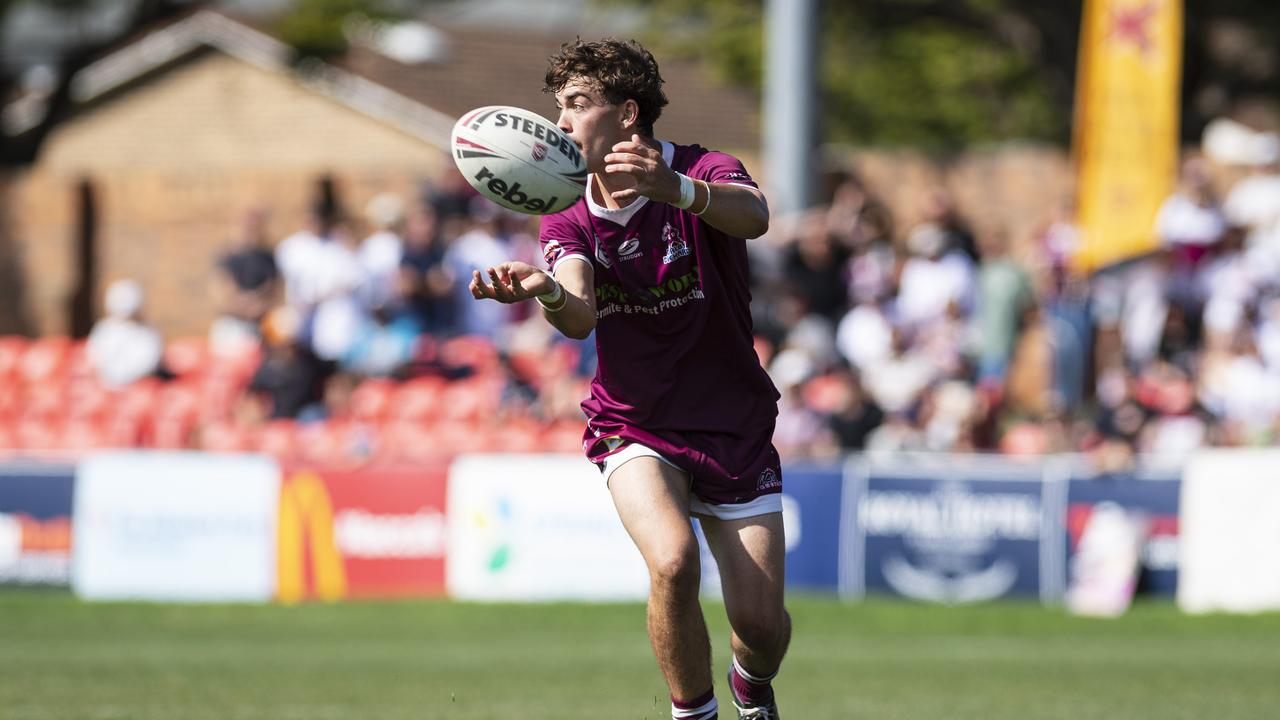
[
  {"x": 537, "y": 527},
  {"x": 175, "y": 526},
  {"x": 1229, "y": 532}
]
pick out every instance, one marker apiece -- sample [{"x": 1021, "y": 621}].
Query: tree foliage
[
  {"x": 318, "y": 28},
  {"x": 948, "y": 73}
]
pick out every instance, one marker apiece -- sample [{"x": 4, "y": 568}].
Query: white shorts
[{"x": 762, "y": 505}]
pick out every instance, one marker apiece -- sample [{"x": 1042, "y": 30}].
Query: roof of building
[{"x": 466, "y": 66}]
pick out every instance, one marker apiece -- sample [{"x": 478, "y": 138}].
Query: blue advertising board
[
  {"x": 811, "y": 510},
  {"x": 1153, "y": 496},
  {"x": 35, "y": 524},
  {"x": 953, "y": 532},
  {"x": 811, "y": 497}
]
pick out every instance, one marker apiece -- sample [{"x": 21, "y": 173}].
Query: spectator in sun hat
[{"x": 122, "y": 347}]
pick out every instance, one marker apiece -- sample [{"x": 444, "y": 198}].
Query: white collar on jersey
[{"x": 622, "y": 216}]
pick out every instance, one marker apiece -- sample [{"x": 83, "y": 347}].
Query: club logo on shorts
[
  {"x": 676, "y": 246},
  {"x": 539, "y": 152},
  {"x": 611, "y": 444},
  {"x": 768, "y": 480}
]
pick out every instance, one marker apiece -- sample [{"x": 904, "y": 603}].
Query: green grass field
[{"x": 60, "y": 658}]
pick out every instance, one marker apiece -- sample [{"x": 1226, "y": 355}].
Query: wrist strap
[
  {"x": 707, "y": 205},
  {"x": 555, "y": 300},
  {"x": 686, "y": 192}
]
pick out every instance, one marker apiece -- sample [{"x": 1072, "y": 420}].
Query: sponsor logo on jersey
[
  {"x": 629, "y": 249},
  {"x": 676, "y": 246},
  {"x": 736, "y": 176}
]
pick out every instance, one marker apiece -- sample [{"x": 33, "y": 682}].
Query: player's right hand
[{"x": 511, "y": 282}]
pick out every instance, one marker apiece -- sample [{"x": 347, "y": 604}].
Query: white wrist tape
[
  {"x": 686, "y": 192},
  {"x": 553, "y": 301}
]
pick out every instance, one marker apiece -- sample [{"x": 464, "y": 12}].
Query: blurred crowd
[{"x": 882, "y": 333}]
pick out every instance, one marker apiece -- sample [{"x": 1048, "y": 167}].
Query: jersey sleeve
[
  {"x": 563, "y": 239},
  {"x": 719, "y": 167}
]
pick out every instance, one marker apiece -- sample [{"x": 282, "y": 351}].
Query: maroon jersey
[{"x": 677, "y": 362}]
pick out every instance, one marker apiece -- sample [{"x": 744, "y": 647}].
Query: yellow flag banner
[{"x": 1125, "y": 141}]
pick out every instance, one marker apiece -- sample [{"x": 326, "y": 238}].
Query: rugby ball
[{"x": 519, "y": 159}]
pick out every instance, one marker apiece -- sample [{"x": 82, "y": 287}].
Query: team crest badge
[
  {"x": 551, "y": 251},
  {"x": 676, "y": 246},
  {"x": 539, "y": 152}
]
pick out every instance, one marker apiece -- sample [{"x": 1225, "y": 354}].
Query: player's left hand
[
  {"x": 641, "y": 160},
  {"x": 511, "y": 282}
]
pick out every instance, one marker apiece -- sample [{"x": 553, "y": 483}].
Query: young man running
[{"x": 681, "y": 415}]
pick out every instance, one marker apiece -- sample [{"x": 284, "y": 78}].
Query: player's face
[{"x": 590, "y": 121}]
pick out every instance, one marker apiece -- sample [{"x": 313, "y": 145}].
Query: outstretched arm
[{"x": 573, "y": 313}]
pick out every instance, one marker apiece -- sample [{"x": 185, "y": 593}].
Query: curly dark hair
[{"x": 621, "y": 70}]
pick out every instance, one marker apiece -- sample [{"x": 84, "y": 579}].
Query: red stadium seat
[
  {"x": 186, "y": 356},
  {"x": 172, "y": 430},
  {"x": 83, "y": 435},
  {"x": 240, "y": 362},
  {"x": 137, "y": 399},
  {"x": 223, "y": 436},
  {"x": 543, "y": 364},
  {"x": 418, "y": 399},
  {"x": 39, "y": 434},
  {"x": 474, "y": 351},
  {"x": 11, "y": 397},
  {"x": 77, "y": 365},
  {"x": 564, "y": 436},
  {"x": 455, "y": 437},
  {"x": 123, "y": 430},
  {"x": 471, "y": 399},
  {"x": 278, "y": 438},
  {"x": 12, "y": 348},
  {"x": 220, "y": 392},
  {"x": 371, "y": 400},
  {"x": 86, "y": 399},
  {"x": 45, "y": 358},
  {"x": 409, "y": 441},
  {"x": 518, "y": 435},
  {"x": 44, "y": 400}
]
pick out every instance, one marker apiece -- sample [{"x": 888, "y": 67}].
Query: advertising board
[
  {"x": 371, "y": 532},
  {"x": 952, "y": 532},
  {"x": 1152, "y": 498},
  {"x": 175, "y": 526},
  {"x": 35, "y": 524},
  {"x": 1229, "y": 559},
  {"x": 537, "y": 527}
]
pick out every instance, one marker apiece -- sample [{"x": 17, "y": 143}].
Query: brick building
[{"x": 182, "y": 128}]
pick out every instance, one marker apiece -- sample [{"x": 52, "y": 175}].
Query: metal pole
[{"x": 790, "y": 102}]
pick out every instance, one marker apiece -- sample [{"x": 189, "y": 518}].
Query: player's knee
[
  {"x": 759, "y": 627},
  {"x": 676, "y": 569}
]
